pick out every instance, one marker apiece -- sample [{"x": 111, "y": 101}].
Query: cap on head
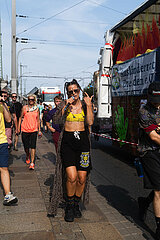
[{"x": 154, "y": 92}]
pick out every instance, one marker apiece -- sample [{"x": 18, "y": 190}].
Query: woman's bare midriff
[{"x": 74, "y": 126}]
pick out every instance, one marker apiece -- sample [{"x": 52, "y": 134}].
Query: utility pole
[
  {"x": 17, "y": 70},
  {"x": 14, "y": 85}
]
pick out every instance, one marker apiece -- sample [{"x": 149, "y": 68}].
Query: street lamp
[
  {"x": 20, "y": 77},
  {"x": 17, "y": 62},
  {"x": 24, "y": 82}
]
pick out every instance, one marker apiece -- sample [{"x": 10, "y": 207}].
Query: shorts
[
  {"x": 29, "y": 140},
  {"x": 4, "y": 155},
  {"x": 55, "y": 137},
  {"x": 151, "y": 169},
  {"x": 75, "y": 150}
]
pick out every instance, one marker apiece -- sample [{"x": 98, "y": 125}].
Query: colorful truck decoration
[{"x": 129, "y": 62}]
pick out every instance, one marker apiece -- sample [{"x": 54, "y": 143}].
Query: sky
[{"x": 67, "y": 35}]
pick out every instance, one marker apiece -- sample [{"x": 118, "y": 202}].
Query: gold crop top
[{"x": 78, "y": 117}]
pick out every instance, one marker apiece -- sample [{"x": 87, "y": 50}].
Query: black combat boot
[
  {"x": 69, "y": 211},
  {"x": 77, "y": 212}
]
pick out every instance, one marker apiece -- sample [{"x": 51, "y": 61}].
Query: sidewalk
[{"x": 28, "y": 220}]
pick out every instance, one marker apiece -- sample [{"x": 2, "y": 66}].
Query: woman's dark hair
[{"x": 73, "y": 82}]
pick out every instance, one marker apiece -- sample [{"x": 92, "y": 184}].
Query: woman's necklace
[
  {"x": 75, "y": 109},
  {"x": 31, "y": 108}
]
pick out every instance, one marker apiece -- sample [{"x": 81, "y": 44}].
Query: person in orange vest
[{"x": 30, "y": 127}]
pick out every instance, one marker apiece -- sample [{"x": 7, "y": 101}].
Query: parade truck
[
  {"x": 128, "y": 63},
  {"x": 47, "y": 94}
]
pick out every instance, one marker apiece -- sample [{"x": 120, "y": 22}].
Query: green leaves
[{"x": 121, "y": 124}]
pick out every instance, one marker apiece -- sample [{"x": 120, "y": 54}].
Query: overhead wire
[
  {"x": 45, "y": 41},
  {"x": 83, "y": 70},
  {"x": 66, "y": 9},
  {"x": 77, "y": 70},
  {"x": 60, "y": 44},
  {"x": 65, "y": 20},
  {"x": 106, "y": 7}
]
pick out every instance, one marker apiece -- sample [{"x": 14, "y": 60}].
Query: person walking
[
  {"x": 29, "y": 128},
  {"x": 18, "y": 108},
  {"x": 40, "y": 106},
  {"x": 73, "y": 158},
  {"x": 44, "y": 114},
  {"x": 149, "y": 150},
  {"x": 13, "y": 122},
  {"x": 49, "y": 107},
  {"x": 9, "y": 198},
  {"x": 54, "y": 128}
]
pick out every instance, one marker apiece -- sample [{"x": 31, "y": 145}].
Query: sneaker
[
  {"x": 143, "y": 206},
  {"x": 31, "y": 167},
  {"x": 77, "y": 212},
  {"x": 69, "y": 213},
  {"x": 28, "y": 160},
  {"x": 10, "y": 199}
]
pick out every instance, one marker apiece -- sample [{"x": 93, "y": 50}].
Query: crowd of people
[{"x": 70, "y": 123}]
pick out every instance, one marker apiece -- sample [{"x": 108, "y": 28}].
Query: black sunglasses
[
  {"x": 31, "y": 99},
  {"x": 14, "y": 96},
  {"x": 72, "y": 91}
]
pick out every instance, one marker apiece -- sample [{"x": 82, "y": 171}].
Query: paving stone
[
  {"x": 18, "y": 163},
  {"x": 24, "y": 206},
  {"x": 139, "y": 237},
  {"x": 124, "y": 231},
  {"x": 76, "y": 228},
  {"x": 118, "y": 225},
  {"x": 24, "y": 222},
  {"x": 129, "y": 237},
  {"x": 127, "y": 224},
  {"x": 79, "y": 236},
  {"x": 28, "y": 236},
  {"x": 26, "y": 183},
  {"x": 119, "y": 217},
  {"x": 23, "y": 176},
  {"x": 134, "y": 230},
  {"x": 112, "y": 219},
  {"x": 62, "y": 237},
  {"x": 92, "y": 214},
  {"x": 23, "y": 192},
  {"x": 100, "y": 231},
  {"x": 19, "y": 169},
  {"x": 56, "y": 227}
]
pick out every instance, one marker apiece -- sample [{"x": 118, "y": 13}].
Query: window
[{"x": 49, "y": 97}]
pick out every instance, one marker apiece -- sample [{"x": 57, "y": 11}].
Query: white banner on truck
[{"x": 134, "y": 76}]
